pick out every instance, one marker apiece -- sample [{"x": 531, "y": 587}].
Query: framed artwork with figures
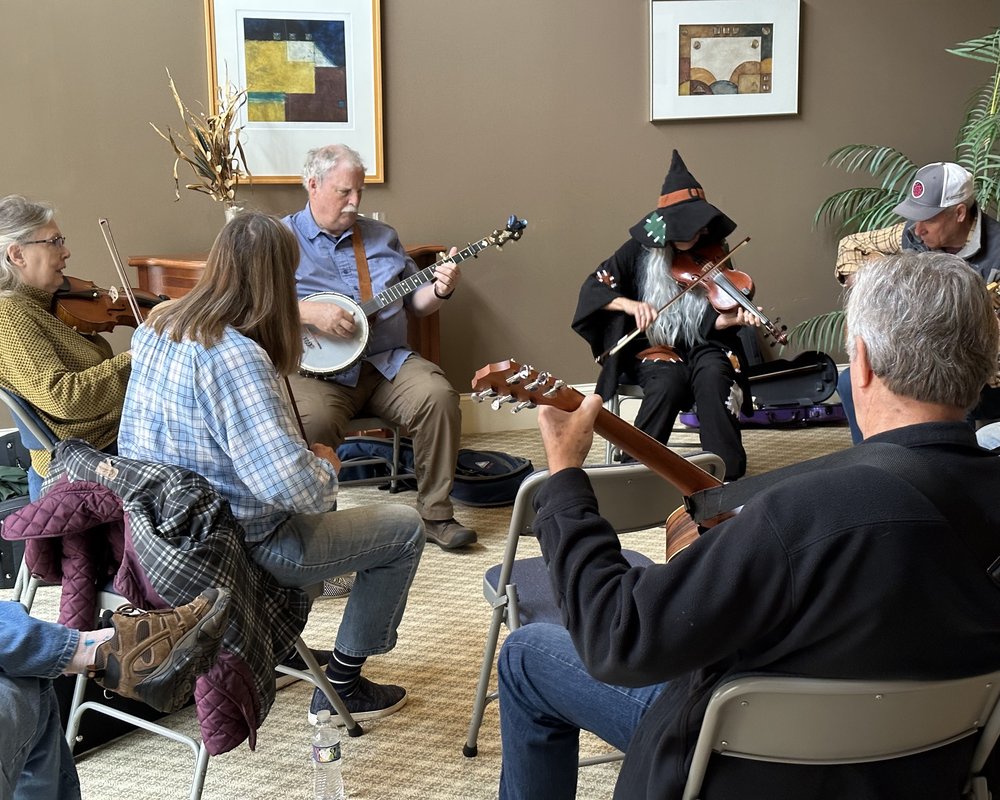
[{"x": 312, "y": 71}]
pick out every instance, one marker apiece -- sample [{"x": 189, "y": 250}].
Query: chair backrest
[
  {"x": 630, "y": 496},
  {"x": 35, "y": 434},
  {"x": 818, "y": 721}
]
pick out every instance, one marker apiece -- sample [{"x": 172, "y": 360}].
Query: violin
[
  {"x": 87, "y": 308},
  {"x": 510, "y": 382},
  {"x": 726, "y": 288}
]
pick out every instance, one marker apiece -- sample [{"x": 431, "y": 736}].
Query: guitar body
[{"x": 324, "y": 355}]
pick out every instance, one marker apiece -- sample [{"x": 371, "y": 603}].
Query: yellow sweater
[{"x": 74, "y": 381}]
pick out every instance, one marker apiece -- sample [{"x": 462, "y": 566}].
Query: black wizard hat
[{"x": 681, "y": 212}]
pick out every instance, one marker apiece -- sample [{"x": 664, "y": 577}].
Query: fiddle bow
[
  {"x": 708, "y": 272},
  {"x": 509, "y": 382}
]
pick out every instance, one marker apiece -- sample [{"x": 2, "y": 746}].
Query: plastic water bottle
[{"x": 327, "y": 780}]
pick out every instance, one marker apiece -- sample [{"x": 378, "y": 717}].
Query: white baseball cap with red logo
[{"x": 936, "y": 187}]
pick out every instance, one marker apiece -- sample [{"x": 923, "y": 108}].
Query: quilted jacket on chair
[{"x": 163, "y": 534}]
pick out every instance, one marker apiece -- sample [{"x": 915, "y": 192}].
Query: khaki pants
[{"x": 419, "y": 398}]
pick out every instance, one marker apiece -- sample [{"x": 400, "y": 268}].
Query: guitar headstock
[
  {"x": 510, "y": 382},
  {"x": 512, "y": 232}
]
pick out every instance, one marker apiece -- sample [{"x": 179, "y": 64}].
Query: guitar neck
[
  {"x": 658, "y": 457},
  {"x": 409, "y": 285}
]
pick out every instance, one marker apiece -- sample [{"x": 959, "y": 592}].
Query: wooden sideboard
[{"x": 175, "y": 276}]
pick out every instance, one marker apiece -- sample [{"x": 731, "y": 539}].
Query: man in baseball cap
[{"x": 941, "y": 214}]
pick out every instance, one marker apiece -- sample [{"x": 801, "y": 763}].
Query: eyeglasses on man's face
[{"x": 55, "y": 241}]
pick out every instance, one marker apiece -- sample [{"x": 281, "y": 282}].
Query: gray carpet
[{"x": 416, "y": 753}]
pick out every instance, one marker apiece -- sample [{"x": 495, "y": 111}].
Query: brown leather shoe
[
  {"x": 448, "y": 534},
  {"x": 155, "y": 656}
]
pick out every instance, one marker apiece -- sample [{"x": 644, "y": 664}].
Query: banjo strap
[{"x": 364, "y": 279}]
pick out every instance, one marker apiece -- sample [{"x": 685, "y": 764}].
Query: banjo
[{"x": 325, "y": 355}]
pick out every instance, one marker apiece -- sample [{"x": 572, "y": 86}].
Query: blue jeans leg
[
  {"x": 847, "y": 399},
  {"x": 546, "y": 698},
  {"x": 382, "y": 544},
  {"x": 35, "y": 760}
]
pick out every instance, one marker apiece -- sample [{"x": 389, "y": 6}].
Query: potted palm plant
[{"x": 869, "y": 207}]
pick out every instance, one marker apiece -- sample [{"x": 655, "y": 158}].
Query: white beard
[{"x": 682, "y": 320}]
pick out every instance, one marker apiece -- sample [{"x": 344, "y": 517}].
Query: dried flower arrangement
[{"x": 214, "y": 151}]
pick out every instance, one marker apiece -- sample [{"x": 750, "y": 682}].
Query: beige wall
[{"x": 537, "y": 107}]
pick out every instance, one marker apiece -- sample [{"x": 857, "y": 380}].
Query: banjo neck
[{"x": 409, "y": 285}]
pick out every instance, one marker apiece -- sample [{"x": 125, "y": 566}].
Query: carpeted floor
[{"x": 416, "y": 753}]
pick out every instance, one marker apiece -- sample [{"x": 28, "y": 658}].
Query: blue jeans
[
  {"x": 546, "y": 698},
  {"x": 35, "y": 760},
  {"x": 381, "y": 543}
]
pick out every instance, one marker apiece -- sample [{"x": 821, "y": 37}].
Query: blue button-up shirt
[{"x": 327, "y": 265}]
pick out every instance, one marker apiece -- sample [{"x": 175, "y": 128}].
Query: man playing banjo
[{"x": 357, "y": 257}]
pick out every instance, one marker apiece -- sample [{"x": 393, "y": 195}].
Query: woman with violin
[
  {"x": 660, "y": 283},
  {"x": 74, "y": 380}
]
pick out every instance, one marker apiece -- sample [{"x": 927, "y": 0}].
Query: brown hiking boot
[{"x": 155, "y": 656}]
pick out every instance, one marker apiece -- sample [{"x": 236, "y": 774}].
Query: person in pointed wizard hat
[{"x": 688, "y": 355}]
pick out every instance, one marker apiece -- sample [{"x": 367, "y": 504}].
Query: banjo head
[{"x": 324, "y": 355}]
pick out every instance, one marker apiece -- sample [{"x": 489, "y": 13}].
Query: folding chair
[
  {"x": 630, "y": 496},
  {"x": 826, "y": 722},
  {"x": 359, "y": 424},
  {"x": 35, "y": 435},
  {"x": 315, "y": 674}
]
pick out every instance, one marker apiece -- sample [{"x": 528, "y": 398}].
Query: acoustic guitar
[
  {"x": 325, "y": 355},
  {"x": 507, "y": 382}
]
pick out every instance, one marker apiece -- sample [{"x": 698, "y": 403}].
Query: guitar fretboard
[{"x": 399, "y": 290}]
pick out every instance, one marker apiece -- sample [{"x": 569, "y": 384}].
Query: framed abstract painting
[
  {"x": 312, "y": 71},
  {"x": 723, "y": 58}
]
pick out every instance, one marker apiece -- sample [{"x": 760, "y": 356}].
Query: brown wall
[{"x": 537, "y": 107}]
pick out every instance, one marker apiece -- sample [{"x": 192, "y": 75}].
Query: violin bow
[
  {"x": 628, "y": 337},
  {"x": 109, "y": 240}
]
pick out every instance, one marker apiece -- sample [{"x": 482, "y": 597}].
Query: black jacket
[{"x": 841, "y": 573}]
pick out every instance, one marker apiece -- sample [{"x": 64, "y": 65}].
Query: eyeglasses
[{"x": 55, "y": 241}]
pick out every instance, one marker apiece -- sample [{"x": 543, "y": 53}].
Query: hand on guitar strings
[
  {"x": 568, "y": 435},
  {"x": 327, "y": 453}
]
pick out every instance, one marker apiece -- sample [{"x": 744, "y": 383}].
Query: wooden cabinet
[{"x": 175, "y": 276}]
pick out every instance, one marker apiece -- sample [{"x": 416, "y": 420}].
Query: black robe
[{"x": 602, "y": 329}]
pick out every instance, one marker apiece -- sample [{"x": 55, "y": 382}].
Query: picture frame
[
  {"x": 313, "y": 75},
  {"x": 723, "y": 58}
]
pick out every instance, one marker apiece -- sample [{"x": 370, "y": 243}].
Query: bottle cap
[{"x": 323, "y": 716}]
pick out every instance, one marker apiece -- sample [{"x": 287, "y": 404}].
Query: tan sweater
[{"x": 74, "y": 381}]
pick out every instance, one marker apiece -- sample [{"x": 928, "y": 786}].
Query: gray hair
[
  {"x": 927, "y": 324},
  {"x": 321, "y": 160},
  {"x": 19, "y": 219}
]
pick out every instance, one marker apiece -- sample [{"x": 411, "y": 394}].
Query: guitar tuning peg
[
  {"x": 554, "y": 389},
  {"x": 485, "y": 394},
  {"x": 541, "y": 380},
  {"x": 499, "y": 401},
  {"x": 523, "y": 405}
]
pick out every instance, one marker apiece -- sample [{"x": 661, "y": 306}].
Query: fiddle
[
  {"x": 87, "y": 308},
  {"x": 725, "y": 288}
]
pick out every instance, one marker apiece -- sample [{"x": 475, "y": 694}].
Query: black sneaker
[
  {"x": 369, "y": 701},
  {"x": 448, "y": 534}
]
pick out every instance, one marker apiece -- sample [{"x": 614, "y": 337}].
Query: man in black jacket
[{"x": 874, "y": 566}]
